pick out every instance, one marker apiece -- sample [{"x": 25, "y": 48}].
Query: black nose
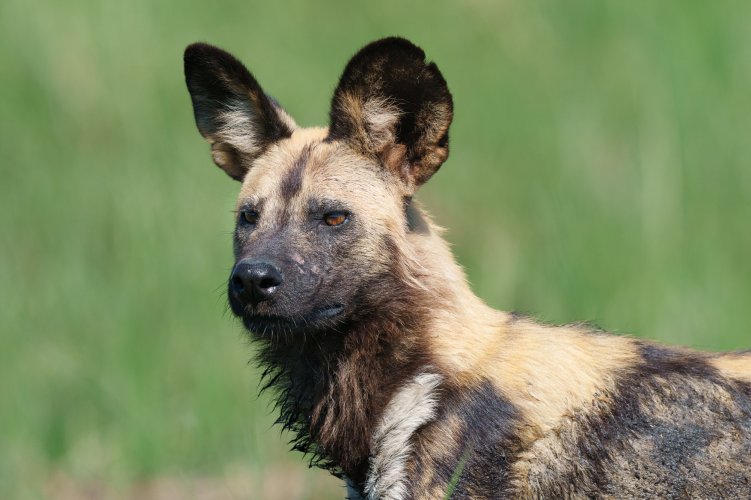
[{"x": 254, "y": 282}]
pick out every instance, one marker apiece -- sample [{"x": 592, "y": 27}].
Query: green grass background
[{"x": 599, "y": 171}]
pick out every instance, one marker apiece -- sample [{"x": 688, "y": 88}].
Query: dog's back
[{"x": 557, "y": 412}]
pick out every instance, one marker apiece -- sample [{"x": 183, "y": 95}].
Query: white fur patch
[
  {"x": 381, "y": 117},
  {"x": 412, "y": 407},
  {"x": 238, "y": 128}
]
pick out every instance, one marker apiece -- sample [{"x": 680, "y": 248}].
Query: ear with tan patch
[
  {"x": 393, "y": 104},
  {"x": 231, "y": 110}
]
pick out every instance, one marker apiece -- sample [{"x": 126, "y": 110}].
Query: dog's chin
[{"x": 320, "y": 319}]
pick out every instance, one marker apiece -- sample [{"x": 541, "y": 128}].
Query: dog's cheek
[{"x": 348, "y": 261}]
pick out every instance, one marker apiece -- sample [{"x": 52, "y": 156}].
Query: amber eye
[
  {"x": 335, "y": 218},
  {"x": 250, "y": 216}
]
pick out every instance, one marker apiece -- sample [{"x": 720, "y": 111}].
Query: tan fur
[
  {"x": 553, "y": 371},
  {"x": 737, "y": 366},
  {"x": 473, "y": 341}
]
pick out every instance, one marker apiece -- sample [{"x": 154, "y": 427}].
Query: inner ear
[
  {"x": 392, "y": 104},
  {"x": 231, "y": 110}
]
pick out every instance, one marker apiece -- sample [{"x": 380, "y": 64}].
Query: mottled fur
[{"x": 388, "y": 370}]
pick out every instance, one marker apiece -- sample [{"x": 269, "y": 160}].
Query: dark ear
[
  {"x": 393, "y": 104},
  {"x": 231, "y": 110}
]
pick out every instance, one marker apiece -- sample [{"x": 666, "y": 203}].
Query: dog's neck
[{"x": 331, "y": 387}]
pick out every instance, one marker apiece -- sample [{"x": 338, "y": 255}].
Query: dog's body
[{"x": 388, "y": 369}]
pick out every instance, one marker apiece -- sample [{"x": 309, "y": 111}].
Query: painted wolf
[{"x": 388, "y": 371}]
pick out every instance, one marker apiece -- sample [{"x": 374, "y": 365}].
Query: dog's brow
[
  {"x": 320, "y": 205},
  {"x": 251, "y": 203}
]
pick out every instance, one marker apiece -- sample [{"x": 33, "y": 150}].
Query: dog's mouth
[{"x": 318, "y": 319}]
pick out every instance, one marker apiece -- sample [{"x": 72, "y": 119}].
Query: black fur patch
[
  {"x": 612, "y": 431},
  {"x": 218, "y": 83},
  {"x": 487, "y": 443},
  {"x": 489, "y": 424},
  {"x": 516, "y": 316},
  {"x": 415, "y": 221},
  {"x": 292, "y": 183},
  {"x": 394, "y": 71},
  {"x": 659, "y": 360},
  {"x": 738, "y": 354},
  {"x": 392, "y": 68}
]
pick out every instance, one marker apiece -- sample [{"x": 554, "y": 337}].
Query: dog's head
[{"x": 322, "y": 212}]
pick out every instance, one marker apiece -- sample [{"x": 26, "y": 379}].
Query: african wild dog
[{"x": 389, "y": 371}]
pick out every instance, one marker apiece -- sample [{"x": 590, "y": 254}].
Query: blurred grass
[{"x": 599, "y": 171}]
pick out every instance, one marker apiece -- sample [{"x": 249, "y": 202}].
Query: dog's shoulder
[{"x": 564, "y": 410}]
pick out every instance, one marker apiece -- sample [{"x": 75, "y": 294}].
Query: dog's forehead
[{"x": 306, "y": 167}]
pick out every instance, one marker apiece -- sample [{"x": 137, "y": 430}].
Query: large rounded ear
[
  {"x": 392, "y": 104},
  {"x": 231, "y": 110}
]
